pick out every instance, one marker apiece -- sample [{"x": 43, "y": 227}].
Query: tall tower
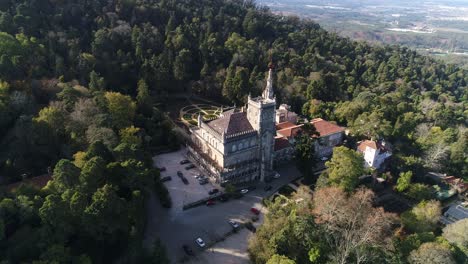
[{"x": 261, "y": 115}]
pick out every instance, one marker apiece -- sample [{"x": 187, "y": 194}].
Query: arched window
[
  {"x": 241, "y": 146},
  {"x": 252, "y": 142},
  {"x": 234, "y": 148}
]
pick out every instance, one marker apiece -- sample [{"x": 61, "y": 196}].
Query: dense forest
[{"x": 79, "y": 79}]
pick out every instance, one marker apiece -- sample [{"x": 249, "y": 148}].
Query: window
[
  {"x": 241, "y": 146},
  {"x": 234, "y": 148},
  {"x": 252, "y": 142}
]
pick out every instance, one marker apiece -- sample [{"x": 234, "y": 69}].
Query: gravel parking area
[
  {"x": 181, "y": 193},
  {"x": 176, "y": 227}
]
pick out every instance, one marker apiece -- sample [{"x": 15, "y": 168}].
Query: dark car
[
  {"x": 184, "y": 180},
  {"x": 203, "y": 181},
  {"x": 250, "y": 227},
  {"x": 162, "y": 169},
  {"x": 267, "y": 188},
  {"x": 223, "y": 198},
  {"x": 187, "y": 250},
  {"x": 189, "y": 167},
  {"x": 210, "y": 202},
  {"x": 184, "y": 161},
  {"x": 213, "y": 191},
  {"x": 180, "y": 174},
  {"x": 165, "y": 179}
]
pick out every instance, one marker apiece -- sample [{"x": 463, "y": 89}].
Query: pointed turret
[
  {"x": 268, "y": 92},
  {"x": 200, "y": 120}
]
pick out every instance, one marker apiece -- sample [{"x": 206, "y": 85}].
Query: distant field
[{"x": 437, "y": 28}]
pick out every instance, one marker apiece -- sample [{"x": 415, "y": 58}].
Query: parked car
[
  {"x": 277, "y": 175},
  {"x": 188, "y": 250},
  {"x": 233, "y": 224},
  {"x": 180, "y": 174},
  {"x": 255, "y": 210},
  {"x": 267, "y": 188},
  {"x": 184, "y": 161},
  {"x": 244, "y": 191},
  {"x": 189, "y": 167},
  {"x": 254, "y": 218},
  {"x": 162, "y": 169},
  {"x": 203, "y": 181},
  {"x": 210, "y": 202},
  {"x": 200, "y": 242},
  {"x": 198, "y": 176},
  {"x": 184, "y": 180},
  {"x": 213, "y": 191},
  {"x": 251, "y": 188},
  {"x": 223, "y": 198},
  {"x": 251, "y": 227},
  {"x": 324, "y": 159},
  {"x": 165, "y": 179}
]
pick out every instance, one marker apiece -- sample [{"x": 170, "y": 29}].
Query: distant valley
[{"x": 438, "y": 28}]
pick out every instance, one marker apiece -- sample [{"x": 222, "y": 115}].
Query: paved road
[{"x": 176, "y": 227}]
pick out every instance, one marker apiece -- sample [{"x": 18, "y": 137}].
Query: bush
[
  {"x": 419, "y": 192},
  {"x": 163, "y": 195}
]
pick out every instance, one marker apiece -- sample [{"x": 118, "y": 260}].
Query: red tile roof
[
  {"x": 281, "y": 143},
  {"x": 371, "y": 144},
  {"x": 290, "y": 132},
  {"x": 284, "y": 125},
  {"x": 326, "y": 128},
  {"x": 39, "y": 182}
]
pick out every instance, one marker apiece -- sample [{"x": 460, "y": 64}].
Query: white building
[
  {"x": 284, "y": 114},
  {"x": 375, "y": 153}
]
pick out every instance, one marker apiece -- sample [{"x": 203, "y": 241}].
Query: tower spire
[{"x": 268, "y": 92}]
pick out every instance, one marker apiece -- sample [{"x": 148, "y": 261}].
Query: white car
[
  {"x": 244, "y": 191},
  {"x": 324, "y": 158},
  {"x": 233, "y": 224},
  {"x": 200, "y": 242},
  {"x": 277, "y": 175}
]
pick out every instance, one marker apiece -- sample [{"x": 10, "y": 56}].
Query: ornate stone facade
[{"x": 238, "y": 146}]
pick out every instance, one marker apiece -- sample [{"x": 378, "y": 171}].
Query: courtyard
[
  {"x": 176, "y": 227},
  {"x": 189, "y": 114}
]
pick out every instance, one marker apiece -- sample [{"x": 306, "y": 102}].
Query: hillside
[{"x": 437, "y": 28}]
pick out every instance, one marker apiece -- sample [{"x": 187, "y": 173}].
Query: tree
[
  {"x": 99, "y": 149},
  {"x": 457, "y": 233},
  {"x": 182, "y": 65},
  {"x": 92, "y": 173},
  {"x": 55, "y": 215},
  {"x": 372, "y": 125},
  {"x": 305, "y": 151},
  {"x": 106, "y": 216},
  {"x": 96, "y": 83},
  {"x": 121, "y": 109},
  {"x": 419, "y": 191},
  {"x": 278, "y": 259},
  {"x": 143, "y": 97},
  {"x": 158, "y": 253},
  {"x": 423, "y": 217},
  {"x": 129, "y": 135},
  {"x": 431, "y": 253},
  {"x": 286, "y": 231},
  {"x": 101, "y": 134},
  {"x": 66, "y": 176},
  {"x": 53, "y": 117},
  {"x": 354, "y": 229},
  {"x": 345, "y": 168},
  {"x": 404, "y": 181}
]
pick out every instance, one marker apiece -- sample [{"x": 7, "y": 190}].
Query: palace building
[{"x": 238, "y": 147}]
